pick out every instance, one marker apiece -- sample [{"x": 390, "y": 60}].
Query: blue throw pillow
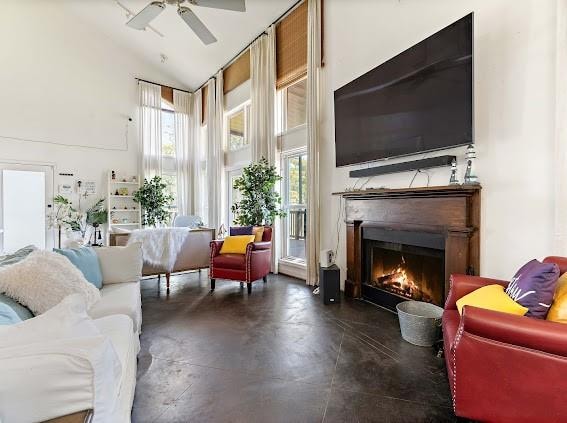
[
  {"x": 23, "y": 312},
  {"x": 241, "y": 230},
  {"x": 86, "y": 260},
  {"x": 8, "y": 316}
]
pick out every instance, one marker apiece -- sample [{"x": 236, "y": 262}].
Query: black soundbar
[{"x": 429, "y": 163}]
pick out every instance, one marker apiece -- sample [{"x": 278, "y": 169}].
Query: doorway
[{"x": 26, "y": 194}]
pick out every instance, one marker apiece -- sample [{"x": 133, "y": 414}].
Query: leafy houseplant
[
  {"x": 154, "y": 201},
  {"x": 260, "y": 204},
  {"x": 68, "y": 219}
]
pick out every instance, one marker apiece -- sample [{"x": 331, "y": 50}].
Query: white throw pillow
[
  {"x": 68, "y": 319},
  {"x": 60, "y": 359},
  {"x": 121, "y": 264},
  {"x": 43, "y": 279}
]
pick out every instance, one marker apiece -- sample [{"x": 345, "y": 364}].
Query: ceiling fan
[{"x": 152, "y": 10}]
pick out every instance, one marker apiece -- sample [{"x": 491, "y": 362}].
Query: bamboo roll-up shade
[
  {"x": 204, "y": 92},
  {"x": 291, "y": 47},
  {"x": 167, "y": 94},
  {"x": 237, "y": 73}
]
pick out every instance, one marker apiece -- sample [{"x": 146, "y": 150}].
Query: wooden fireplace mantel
[{"x": 453, "y": 211}]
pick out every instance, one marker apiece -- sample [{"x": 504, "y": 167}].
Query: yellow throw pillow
[
  {"x": 558, "y": 310},
  {"x": 491, "y": 297},
  {"x": 259, "y": 232},
  {"x": 236, "y": 244}
]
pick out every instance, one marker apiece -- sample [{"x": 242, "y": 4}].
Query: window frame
[
  {"x": 281, "y": 124},
  {"x": 245, "y": 108}
]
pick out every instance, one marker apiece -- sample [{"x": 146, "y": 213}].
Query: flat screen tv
[{"x": 420, "y": 100}]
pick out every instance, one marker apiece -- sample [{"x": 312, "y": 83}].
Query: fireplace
[
  {"x": 405, "y": 243},
  {"x": 402, "y": 265}
]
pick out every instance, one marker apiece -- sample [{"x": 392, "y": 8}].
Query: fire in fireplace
[{"x": 396, "y": 272}]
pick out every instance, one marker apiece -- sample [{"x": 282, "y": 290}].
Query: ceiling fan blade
[
  {"x": 146, "y": 15},
  {"x": 196, "y": 25},
  {"x": 234, "y": 5}
]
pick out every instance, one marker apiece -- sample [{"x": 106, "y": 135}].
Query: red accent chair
[
  {"x": 503, "y": 367},
  {"x": 249, "y": 267}
]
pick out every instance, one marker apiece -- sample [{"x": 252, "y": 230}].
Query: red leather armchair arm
[
  {"x": 462, "y": 285},
  {"x": 264, "y": 245},
  {"x": 258, "y": 259},
  {"x": 216, "y": 247},
  {"x": 536, "y": 334}
]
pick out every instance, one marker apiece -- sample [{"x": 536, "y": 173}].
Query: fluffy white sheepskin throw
[
  {"x": 160, "y": 246},
  {"x": 43, "y": 279}
]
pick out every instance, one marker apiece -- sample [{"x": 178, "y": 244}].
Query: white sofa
[{"x": 58, "y": 378}]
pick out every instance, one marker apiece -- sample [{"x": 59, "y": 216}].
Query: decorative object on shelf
[
  {"x": 154, "y": 201},
  {"x": 121, "y": 203},
  {"x": 470, "y": 173},
  {"x": 260, "y": 204},
  {"x": 454, "y": 180},
  {"x": 221, "y": 233}
]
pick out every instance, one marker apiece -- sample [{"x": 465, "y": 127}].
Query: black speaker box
[{"x": 330, "y": 284}]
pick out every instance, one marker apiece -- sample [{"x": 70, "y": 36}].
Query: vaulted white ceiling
[{"x": 187, "y": 59}]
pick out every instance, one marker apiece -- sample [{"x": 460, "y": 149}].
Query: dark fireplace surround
[{"x": 405, "y": 243}]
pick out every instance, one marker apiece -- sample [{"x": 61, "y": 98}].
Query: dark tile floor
[{"x": 278, "y": 355}]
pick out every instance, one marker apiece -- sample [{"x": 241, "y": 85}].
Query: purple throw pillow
[
  {"x": 533, "y": 287},
  {"x": 241, "y": 230}
]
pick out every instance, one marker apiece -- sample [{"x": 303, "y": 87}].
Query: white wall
[
  {"x": 66, "y": 94},
  {"x": 514, "y": 112}
]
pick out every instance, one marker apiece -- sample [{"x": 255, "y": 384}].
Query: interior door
[{"x": 26, "y": 195}]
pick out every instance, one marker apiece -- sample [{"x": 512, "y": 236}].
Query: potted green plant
[
  {"x": 154, "y": 201},
  {"x": 260, "y": 203}
]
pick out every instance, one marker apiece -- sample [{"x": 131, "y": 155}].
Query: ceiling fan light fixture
[
  {"x": 141, "y": 20},
  {"x": 233, "y": 5}
]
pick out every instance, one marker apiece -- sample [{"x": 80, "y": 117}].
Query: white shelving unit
[{"x": 123, "y": 211}]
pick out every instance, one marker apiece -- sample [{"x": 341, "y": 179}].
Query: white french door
[{"x": 26, "y": 194}]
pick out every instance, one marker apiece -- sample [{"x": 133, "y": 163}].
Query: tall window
[
  {"x": 291, "y": 129},
  {"x": 295, "y": 196},
  {"x": 291, "y": 109},
  {"x": 169, "y": 165},
  {"x": 237, "y": 128}
]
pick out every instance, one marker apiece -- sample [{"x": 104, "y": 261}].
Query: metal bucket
[{"x": 419, "y": 322}]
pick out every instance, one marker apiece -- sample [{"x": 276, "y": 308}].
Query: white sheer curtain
[
  {"x": 262, "y": 115},
  {"x": 199, "y": 158},
  {"x": 313, "y": 67},
  {"x": 184, "y": 151},
  {"x": 560, "y": 230},
  {"x": 215, "y": 116},
  {"x": 150, "y": 128},
  {"x": 263, "y": 93}
]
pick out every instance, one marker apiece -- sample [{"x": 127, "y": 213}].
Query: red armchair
[
  {"x": 503, "y": 367},
  {"x": 249, "y": 267}
]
